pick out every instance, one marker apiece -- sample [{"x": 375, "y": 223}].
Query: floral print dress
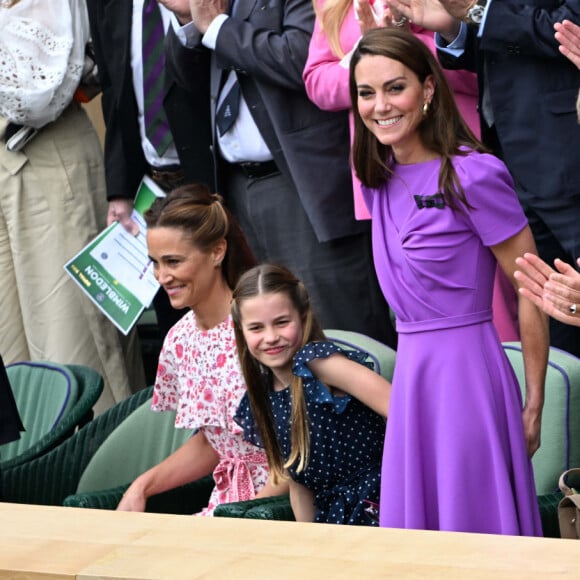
[{"x": 199, "y": 376}]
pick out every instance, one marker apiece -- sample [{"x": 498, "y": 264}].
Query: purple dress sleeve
[{"x": 497, "y": 214}]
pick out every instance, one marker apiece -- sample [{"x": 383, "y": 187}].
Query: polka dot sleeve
[{"x": 314, "y": 389}]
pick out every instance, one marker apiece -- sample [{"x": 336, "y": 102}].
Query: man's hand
[
  {"x": 120, "y": 211},
  {"x": 457, "y": 8},
  {"x": 568, "y": 35},
  {"x": 180, "y": 8},
  {"x": 203, "y": 12},
  {"x": 431, "y": 14}
]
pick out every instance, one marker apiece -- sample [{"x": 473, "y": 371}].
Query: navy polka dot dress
[{"x": 346, "y": 441}]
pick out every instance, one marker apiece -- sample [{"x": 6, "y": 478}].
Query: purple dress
[{"x": 454, "y": 457}]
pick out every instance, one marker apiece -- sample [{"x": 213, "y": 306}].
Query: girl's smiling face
[
  {"x": 390, "y": 102},
  {"x": 273, "y": 331}
]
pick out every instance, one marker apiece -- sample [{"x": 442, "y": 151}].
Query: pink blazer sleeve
[
  {"x": 325, "y": 79},
  {"x": 327, "y": 83}
]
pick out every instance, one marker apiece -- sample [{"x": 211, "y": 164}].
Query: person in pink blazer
[{"x": 336, "y": 32}]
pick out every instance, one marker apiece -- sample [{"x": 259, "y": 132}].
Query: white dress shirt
[
  {"x": 243, "y": 142},
  {"x": 170, "y": 156}
]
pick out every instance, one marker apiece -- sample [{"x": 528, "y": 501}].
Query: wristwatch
[{"x": 475, "y": 13}]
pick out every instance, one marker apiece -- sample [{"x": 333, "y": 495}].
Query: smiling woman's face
[
  {"x": 390, "y": 102},
  {"x": 186, "y": 273}
]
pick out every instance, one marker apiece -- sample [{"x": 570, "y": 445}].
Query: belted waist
[
  {"x": 257, "y": 169},
  {"x": 233, "y": 476},
  {"x": 447, "y": 322},
  {"x": 168, "y": 177}
]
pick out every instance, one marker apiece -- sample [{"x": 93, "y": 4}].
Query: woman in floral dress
[{"x": 198, "y": 253}]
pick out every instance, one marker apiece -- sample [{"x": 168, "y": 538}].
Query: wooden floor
[{"x": 57, "y": 542}]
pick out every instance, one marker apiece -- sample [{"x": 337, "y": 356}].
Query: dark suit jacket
[
  {"x": 188, "y": 111},
  {"x": 533, "y": 90},
  {"x": 267, "y": 44}
]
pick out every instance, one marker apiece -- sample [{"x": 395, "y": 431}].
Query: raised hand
[
  {"x": 431, "y": 14},
  {"x": 568, "y": 35},
  {"x": 369, "y": 14},
  {"x": 203, "y": 12},
  {"x": 180, "y": 8}
]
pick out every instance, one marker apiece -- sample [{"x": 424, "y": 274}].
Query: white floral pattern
[{"x": 41, "y": 58}]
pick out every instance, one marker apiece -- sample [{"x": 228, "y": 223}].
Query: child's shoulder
[
  {"x": 316, "y": 349},
  {"x": 322, "y": 349}
]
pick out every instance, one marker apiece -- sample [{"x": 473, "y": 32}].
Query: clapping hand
[
  {"x": 555, "y": 291},
  {"x": 180, "y": 8},
  {"x": 369, "y": 14},
  {"x": 430, "y": 14},
  {"x": 568, "y": 35},
  {"x": 200, "y": 12},
  {"x": 203, "y": 12}
]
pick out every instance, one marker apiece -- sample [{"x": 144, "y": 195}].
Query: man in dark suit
[
  {"x": 282, "y": 162},
  {"x": 528, "y": 93},
  {"x": 116, "y": 29}
]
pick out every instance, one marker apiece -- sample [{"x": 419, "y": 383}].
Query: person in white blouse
[{"x": 52, "y": 197}]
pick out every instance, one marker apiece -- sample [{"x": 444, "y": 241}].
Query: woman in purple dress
[{"x": 444, "y": 213}]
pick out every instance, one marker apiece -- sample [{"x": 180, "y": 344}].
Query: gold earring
[{"x": 425, "y": 108}]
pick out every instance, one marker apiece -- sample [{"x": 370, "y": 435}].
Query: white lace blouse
[{"x": 42, "y": 47}]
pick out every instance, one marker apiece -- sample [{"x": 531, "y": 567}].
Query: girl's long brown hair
[
  {"x": 272, "y": 279},
  {"x": 442, "y": 130}
]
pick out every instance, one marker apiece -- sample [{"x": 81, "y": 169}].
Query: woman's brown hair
[
  {"x": 202, "y": 216},
  {"x": 442, "y": 129},
  {"x": 272, "y": 279}
]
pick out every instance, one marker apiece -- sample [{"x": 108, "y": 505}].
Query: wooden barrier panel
[{"x": 56, "y": 542}]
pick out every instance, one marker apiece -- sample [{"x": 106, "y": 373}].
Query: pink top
[
  {"x": 199, "y": 375},
  {"x": 327, "y": 82}
]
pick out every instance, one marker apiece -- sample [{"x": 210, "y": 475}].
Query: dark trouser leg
[{"x": 339, "y": 274}]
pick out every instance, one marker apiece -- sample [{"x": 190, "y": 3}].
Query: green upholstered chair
[
  {"x": 48, "y": 479},
  {"x": 53, "y": 400},
  {"x": 140, "y": 441},
  {"x": 382, "y": 356},
  {"x": 278, "y": 508},
  {"x": 560, "y": 447}
]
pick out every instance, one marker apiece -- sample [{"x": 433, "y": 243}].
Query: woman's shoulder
[{"x": 478, "y": 163}]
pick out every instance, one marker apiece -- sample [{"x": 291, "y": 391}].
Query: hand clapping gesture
[
  {"x": 568, "y": 35},
  {"x": 200, "y": 12},
  {"x": 432, "y": 14},
  {"x": 556, "y": 292}
]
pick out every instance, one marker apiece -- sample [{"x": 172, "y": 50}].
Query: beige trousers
[{"x": 52, "y": 203}]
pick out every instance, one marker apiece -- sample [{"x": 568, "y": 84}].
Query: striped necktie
[{"x": 156, "y": 124}]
